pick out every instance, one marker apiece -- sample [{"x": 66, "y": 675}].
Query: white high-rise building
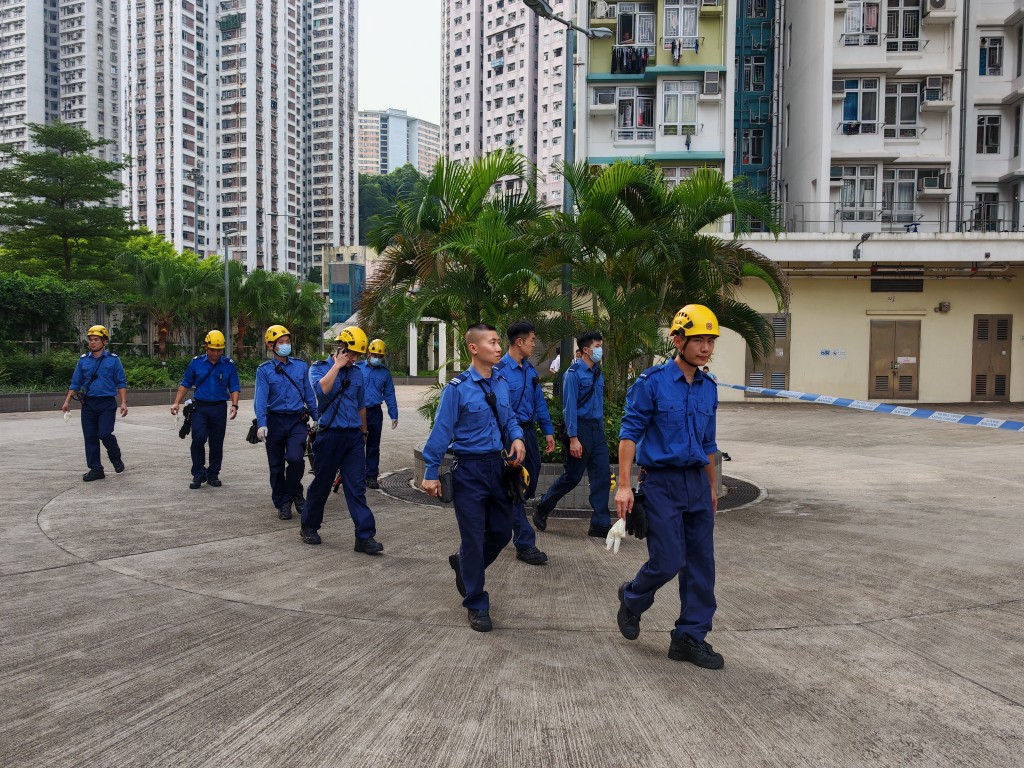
[
  {"x": 240, "y": 118},
  {"x": 390, "y": 139},
  {"x": 503, "y": 76},
  {"x": 60, "y": 59}
]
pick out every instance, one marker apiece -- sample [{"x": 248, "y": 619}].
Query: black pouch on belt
[
  {"x": 186, "y": 415},
  {"x": 636, "y": 518},
  {"x": 447, "y": 492}
]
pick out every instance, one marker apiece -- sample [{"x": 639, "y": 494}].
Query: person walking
[
  {"x": 284, "y": 403},
  {"x": 341, "y": 441},
  {"x": 531, "y": 411},
  {"x": 475, "y": 419},
  {"x": 380, "y": 391},
  {"x": 583, "y": 417},
  {"x": 98, "y": 382},
  {"x": 669, "y": 428},
  {"x": 215, "y": 379}
]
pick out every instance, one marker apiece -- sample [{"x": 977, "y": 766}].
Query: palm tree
[
  {"x": 172, "y": 289},
  {"x": 302, "y": 309},
  {"x": 256, "y": 300},
  {"x": 640, "y": 250}
]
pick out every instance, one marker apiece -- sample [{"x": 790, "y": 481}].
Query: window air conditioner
[
  {"x": 936, "y": 5},
  {"x": 712, "y": 83},
  {"x": 835, "y": 173},
  {"x": 838, "y": 87},
  {"x": 710, "y": 3},
  {"x": 928, "y": 182}
]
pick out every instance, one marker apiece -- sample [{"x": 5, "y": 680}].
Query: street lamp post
[
  {"x": 227, "y": 291},
  {"x": 543, "y": 9}
]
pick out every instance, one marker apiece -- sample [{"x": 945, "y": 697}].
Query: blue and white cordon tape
[{"x": 897, "y": 410}]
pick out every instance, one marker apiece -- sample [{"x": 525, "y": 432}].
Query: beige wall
[{"x": 834, "y": 314}]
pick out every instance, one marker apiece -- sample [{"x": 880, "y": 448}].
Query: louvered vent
[
  {"x": 881, "y": 383},
  {"x": 755, "y": 380},
  {"x": 1003, "y": 329},
  {"x": 778, "y": 381},
  {"x": 780, "y": 326},
  {"x": 906, "y": 383},
  {"x": 895, "y": 285},
  {"x": 980, "y": 384},
  {"x": 1000, "y": 385},
  {"x": 982, "y": 332}
]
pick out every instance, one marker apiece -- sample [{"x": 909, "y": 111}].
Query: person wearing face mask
[
  {"x": 669, "y": 428},
  {"x": 380, "y": 391},
  {"x": 583, "y": 417},
  {"x": 284, "y": 402}
]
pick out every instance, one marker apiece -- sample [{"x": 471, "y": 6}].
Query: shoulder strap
[
  {"x": 281, "y": 370},
  {"x": 208, "y": 374},
  {"x": 335, "y": 399},
  {"x": 590, "y": 392},
  {"x": 93, "y": 375},
  {"x": 492, "y": 400}
]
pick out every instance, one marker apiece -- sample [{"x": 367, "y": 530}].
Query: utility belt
[
  {"x": 98, "y": 399},
  {"x": 208, "y": 403},
  {"x": 527, "y": 424},
  {"x": 285, "y": 413},
  {"x": 486, "y": 456},
  {"x": 340, "y": 429},
  {"x": 377, "y": 407},
  {"x": 659, "y": 470}
]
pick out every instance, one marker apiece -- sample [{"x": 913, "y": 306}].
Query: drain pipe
[{"x": 961, "y": 181}]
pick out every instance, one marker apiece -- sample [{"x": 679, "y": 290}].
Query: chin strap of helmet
[{"x": 682, "y": 353}]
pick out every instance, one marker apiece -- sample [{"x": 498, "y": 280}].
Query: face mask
[
  {"x": 376, "y": 361},
  {"x": 597, "y": 354},
  {"x": 284, "y": 350}
]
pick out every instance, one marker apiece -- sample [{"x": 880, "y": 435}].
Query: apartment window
[
  {"x": 899, "y": 194},
  {"x": 987, "y": 212},
  {"x": 1016, "y": 131},
  {"x": 636, "y": 23},
  {"x": 634, "y": 110},
  {"x": 679, "y": 104},
  {"x": 988, "y": 134},
  {"x": 990, "y": 58},
  {"x": 901, "y": 108},
  {"x": 756, "y": 9},
  {"x": 1020, "y": 50},
  {"x": 753, "y": 146},
  {"x": 675, "y": 174},
  {"x": 903, "y": 25},
  {"x": 860, "y": 106},
  {"x": 861, "y": 23},
  {"x": 754, "y": 73},
  {"x": 857, "y": 196},
  {"x": 681, "y": 22}
]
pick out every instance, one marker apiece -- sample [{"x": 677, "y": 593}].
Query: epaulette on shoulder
[
  {"x": 459, "y": 379},
  {"x": 197, "y": 357},
  {"x": 112, "y": 354},
  {"x": 85, "y": 355},
  {"x": 265, "y": 362},
  {"x": 230, "y": 360},
  {"x": 649, "y": 371}
]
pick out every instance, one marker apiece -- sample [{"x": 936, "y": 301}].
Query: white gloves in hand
[
  {"x": 616, "y": 535},
  {"x": 261, "y": 434}
]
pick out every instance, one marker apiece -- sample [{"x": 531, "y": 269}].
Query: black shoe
[
  {"x": 480, "y": 621},
  {"x": 197, "y": 482},
  {"x": 531, "y": 556},
  {"x": 213, "y": 481},
  {"x": 726, "y": 457},
  {"x": 453, "y": 561},
  {"x": 685, "y": 648},
  {"x": 300, "y": 504},
  {"x": 93, "y": 474},
  {"x": 540, "y": 519},
  {"x": 309, "y": 535},
  {"x": 599, "y": 531},
  {"x": 629, "y": 622},
  {"x": 118, "y": 466},
  {"x": 371, "y": 482},
  {"x": 284, "y": 512},
  {"x": 369, "y": 546}
]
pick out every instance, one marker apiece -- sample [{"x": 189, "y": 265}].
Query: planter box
[{"x": 576, "y": 500}]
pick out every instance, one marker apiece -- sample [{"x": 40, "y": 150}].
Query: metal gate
[
  {"x": 894, "y": 362},
  {"x": 990, "y": 368},
  {"x": 772, "y": 372}
]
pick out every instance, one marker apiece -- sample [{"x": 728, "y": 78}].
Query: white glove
[
  {"x": 261, "y": 434},
  {"x": 616, "y": 535},
  {"x": 67, "y": 416},
  {"x": 313, "y": 427}
]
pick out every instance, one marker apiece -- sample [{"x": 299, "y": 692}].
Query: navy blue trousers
[
  {"x": 374, "y": 427},
  {"x": 523, "y": 535},
  {"x": 680, "y": 542},
  {"x": 98, "y": 414},
  {"x": 209, "y": 423},
  {"x": 595, "y": 463},
  {"x": 286, "y": 451},
  {"x": 340, "y": 449},
  {"x": 484, "y": 514}
]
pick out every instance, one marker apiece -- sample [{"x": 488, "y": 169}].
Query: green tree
[
  {"x": 173, "y": 289},
  {"x": 639, "y": 250},
  {"x": 59, "y": 213},
  {"x": 42, "y": 307},
  {"x": 378, "y": 194},
  {"x": 257, "y": 301},
  {"x": 301, "y": 311},
  {"x": 460, "y": 253}
]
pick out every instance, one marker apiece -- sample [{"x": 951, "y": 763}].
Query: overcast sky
[{"x": 400, "y": 56}]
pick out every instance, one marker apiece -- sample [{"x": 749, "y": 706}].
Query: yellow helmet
[
  {"x": 378, "y": 347},
  {"x": 98, "y": 330},
  {"x": 695, "y": 320},
  {"x": 214, "y": 340},
  {"x": 275, "y": 332},
  {"x": 354, "y": 339}
]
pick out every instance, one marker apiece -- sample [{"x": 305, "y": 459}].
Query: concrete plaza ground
[{"x": 870, "y": 612}]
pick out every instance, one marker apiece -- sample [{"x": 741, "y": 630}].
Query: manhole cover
[{"x": 398, "y": 485}]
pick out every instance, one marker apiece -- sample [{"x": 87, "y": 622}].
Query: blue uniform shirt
[
  {"x": 343, "y": 409},
  {"x": 380, "y": 387},
  {"x": 671, "y": 422},
  {"x": 578, "y": 381},
  {"x": 98, "y": 376},
  {"x": 465, "y": 421},
  {"x": 525, "y": 392},
  {"x": 216, "y": 380},
  {"x": 274, "y": 391}
]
